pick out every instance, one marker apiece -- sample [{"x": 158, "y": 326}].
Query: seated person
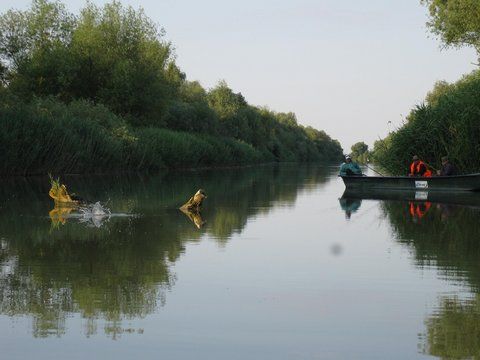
[
  {"x": 349, "y": 168},
  {"x": 447, "y": 168},
  {"x": 418, "y": 168}
]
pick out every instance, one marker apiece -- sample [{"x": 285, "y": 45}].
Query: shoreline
[{"x": 166, "y": 169}]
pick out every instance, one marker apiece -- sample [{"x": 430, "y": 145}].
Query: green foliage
[
  {"x": 456, "y": 22},
  {"x": 113, "y": 60},
  {"x": 82, "y": 137},
  {"x": 112, "y": 55},
  {"x": 447, "y": 125}
]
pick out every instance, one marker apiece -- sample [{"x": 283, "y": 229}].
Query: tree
[
  {"x": 112, "y": 55},
  {"x": 224, "y": 101},
  {"x": 456, "y": 22},
  {"x": 360, "y": 152},
  {"x": 439, "y": 89}
]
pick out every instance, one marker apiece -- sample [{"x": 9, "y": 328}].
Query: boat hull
[{"x": 437, "y": 183}]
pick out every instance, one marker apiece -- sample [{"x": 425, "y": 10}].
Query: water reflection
[
  {"x": 445, "y": 236},
  {"x": 453, "y": 331},
  {"x": 53, "y": 267},
  {"x": 195, "y": 216},
  {"x": 349, "y": 206}
]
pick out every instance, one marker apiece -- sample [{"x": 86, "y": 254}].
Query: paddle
[
  {"x": 430, "y": 166},
  {"x": 374, "y": 170}
]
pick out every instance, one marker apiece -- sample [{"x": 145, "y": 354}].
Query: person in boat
[
  {"x": 350, "y": 168},
  {"x": 447, "y": 168},
  {"x": 419, "y": 168}
]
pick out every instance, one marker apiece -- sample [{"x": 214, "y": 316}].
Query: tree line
[{"x": 101, "y": 91}]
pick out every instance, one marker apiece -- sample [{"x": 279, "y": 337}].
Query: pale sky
[{"x": 347, "y": 67}]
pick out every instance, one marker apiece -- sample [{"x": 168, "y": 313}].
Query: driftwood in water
[
  {"x": 195, "y": 202},
  {"x": 192, "y": 208}
]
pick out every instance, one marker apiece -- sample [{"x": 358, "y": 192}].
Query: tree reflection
[
  {"x": 122, "y": 269},
  {"x": 454, "y": 331},
  {"x": 447, "y": 237}
]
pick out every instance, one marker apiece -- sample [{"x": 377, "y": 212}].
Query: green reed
[
  {"x": 49, "y": 136},
  {"x": 447, "y": 124}
]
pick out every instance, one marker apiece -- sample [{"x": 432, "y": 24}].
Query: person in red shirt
[{"x": 418, "y": 168}]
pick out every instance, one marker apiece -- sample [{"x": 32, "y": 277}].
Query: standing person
[
  {"x": 447, "y": 168},
  {"x": 350, "y": 168},
  {"x": 418, "y": 168}
]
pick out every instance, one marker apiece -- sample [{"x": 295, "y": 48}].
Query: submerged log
[{"x": 195, "y": 202}]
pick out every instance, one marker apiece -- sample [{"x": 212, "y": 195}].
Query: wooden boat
[{"x": 456, "y": 183}]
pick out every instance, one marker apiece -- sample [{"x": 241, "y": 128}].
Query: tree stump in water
[
  {"x": 192, "y": 208},
  {"x": 195, "y": 202}
]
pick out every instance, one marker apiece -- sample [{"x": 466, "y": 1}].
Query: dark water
[{"x": 275, "y": 267}]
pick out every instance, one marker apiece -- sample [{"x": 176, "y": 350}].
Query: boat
[{"x": 456, "y": 183}]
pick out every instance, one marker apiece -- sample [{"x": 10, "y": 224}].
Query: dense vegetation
[
  {"x": 101, "y": 91},
  {"x": 447, "y": 123}
]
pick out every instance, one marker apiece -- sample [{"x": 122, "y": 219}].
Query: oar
[
  {"x": 373, "y": 170},
  {"x": 430, "y": 166}
]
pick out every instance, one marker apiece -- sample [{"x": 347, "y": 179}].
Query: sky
[{"x": 352, "y": 68}]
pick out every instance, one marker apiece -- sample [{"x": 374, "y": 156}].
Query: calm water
[{"x": 275, "y": 267}]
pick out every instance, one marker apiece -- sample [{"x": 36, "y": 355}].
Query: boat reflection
[
  {"x": 349, "y": 206},
  {"x": 464, "y": 198}
]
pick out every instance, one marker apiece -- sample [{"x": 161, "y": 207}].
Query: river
[{"x": 276, "y": 266}]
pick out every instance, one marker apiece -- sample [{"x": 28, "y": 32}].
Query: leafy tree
[
  {"x": 224, "y": 101},
  {"x": 439, "y": 89},
  {"x": 360, "y": 152},
  {"x": 456, "y": 22}
]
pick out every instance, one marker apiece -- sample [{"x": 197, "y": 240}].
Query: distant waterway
[{"x": 277, "y": 265}]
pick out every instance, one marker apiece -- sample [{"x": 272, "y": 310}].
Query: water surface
[{"x": 277, "y": 266}]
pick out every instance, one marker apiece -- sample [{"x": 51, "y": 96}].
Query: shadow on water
[
  {"x": 443, "y": 230},
  {"x": 53, "y": 266}
]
